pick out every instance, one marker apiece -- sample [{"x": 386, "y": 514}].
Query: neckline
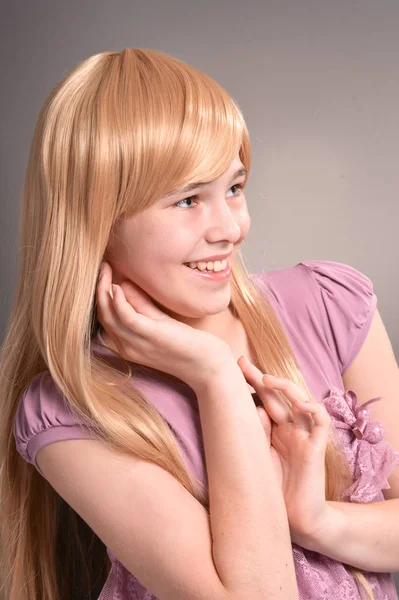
[{"x": 99, "y": 340}]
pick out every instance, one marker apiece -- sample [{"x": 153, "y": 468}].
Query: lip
[
  {"x": 211, "y": 258},
  {"x": 212, "y": 275}
]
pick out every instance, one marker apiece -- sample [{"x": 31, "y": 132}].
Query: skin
[{"x": 147, "y": 250}]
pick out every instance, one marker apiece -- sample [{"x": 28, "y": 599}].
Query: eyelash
[{"x": 237, "y": 185}]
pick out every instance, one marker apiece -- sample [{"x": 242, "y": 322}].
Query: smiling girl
[{"x": 145, "y": 454}]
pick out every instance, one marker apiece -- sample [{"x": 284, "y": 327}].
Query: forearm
[
  {"x": 365, "y": 536},
  {"x": 251, "y": 541}
]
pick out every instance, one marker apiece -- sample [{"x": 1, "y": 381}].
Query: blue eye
[
  {"x": 185, "y": 200},
  {"x": 236, "y": 194}
]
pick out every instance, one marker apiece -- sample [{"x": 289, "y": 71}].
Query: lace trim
[{"x": 372, "y": 459}]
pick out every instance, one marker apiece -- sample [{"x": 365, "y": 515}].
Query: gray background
[{"x": 317, "y": 81}]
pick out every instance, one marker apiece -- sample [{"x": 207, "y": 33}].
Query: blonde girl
[{"x": 144, "y": 453}]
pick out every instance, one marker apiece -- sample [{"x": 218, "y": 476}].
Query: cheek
[
  {"x": 244, "y": 222},
  {"x": 158, "y": 253}
]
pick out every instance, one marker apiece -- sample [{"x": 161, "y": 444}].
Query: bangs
[{"x": 174, "y": 126}]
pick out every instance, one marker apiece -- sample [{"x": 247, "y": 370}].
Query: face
[{"x": 151, "y": 248}]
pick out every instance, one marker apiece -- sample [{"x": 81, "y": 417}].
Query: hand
[
  {"x": 299, "y": 437},
  {"x": 251, "y": 373},
  {"x": 144, "y": 334}
]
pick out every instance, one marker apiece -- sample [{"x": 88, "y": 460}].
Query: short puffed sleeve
[
  {"x": 43, "y": 417},
  {"x": 348, "y": 305}
]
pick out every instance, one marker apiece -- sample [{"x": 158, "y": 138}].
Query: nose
[{"x": 222, "y": 225}]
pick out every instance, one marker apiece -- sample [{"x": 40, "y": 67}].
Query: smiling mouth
[
  {"x": 221, "y": 266},
  {"x": 211, "y": 275}
]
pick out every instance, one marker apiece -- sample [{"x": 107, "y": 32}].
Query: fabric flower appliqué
[{"x": 371, "y": 459}]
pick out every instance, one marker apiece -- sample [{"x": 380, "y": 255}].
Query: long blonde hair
[{"x": 114, "y": 136}]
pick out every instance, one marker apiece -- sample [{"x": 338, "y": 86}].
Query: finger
[
  {"x": 132, "y": 320},
  {"x": 321, "y": 422},
  {"x": 302, "y": 420},
  {"x": 108, "y": 308},
  {"x": 106, "y": 312},
  {"x": 141, "y": 301},
  {"x": 274, "y": 404},
  {"x": 265, "y": 420},
  {"x": 276, "y": 407},
  {"x": 300, "y": 400},
  {"x": 321, "y": 425},
  {"x": 291, "y": 390},
  {"x": 251, "y": 373}
]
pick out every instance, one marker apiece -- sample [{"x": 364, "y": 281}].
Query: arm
[
  {"x": 251, "y": 540},
  {"x": 161, "y": 533},
  {"x": 370, "y": 531},
  {"x": 362, "y": 535},
  {"x": 375, "y": 372},
  {"x": 251, "y": 548},
  {"x": 365, "y": 536}
]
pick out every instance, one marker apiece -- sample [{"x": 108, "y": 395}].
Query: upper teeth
[{"x": 217, "y": 265}]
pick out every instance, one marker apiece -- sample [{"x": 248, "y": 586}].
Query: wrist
[
  {"x": 210, "y": 373},
  {"x": 329, "y": 532}
]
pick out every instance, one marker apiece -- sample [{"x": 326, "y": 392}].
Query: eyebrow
[{"x": 193, "y": 186}]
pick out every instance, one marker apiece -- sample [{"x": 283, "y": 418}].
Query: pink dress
[{"x": 326, "y": 309}]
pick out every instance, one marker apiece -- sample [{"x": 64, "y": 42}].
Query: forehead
[{"x": 237, "y": 169}]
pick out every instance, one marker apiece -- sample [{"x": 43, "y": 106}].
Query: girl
[{"x": 181, "y": 471}]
